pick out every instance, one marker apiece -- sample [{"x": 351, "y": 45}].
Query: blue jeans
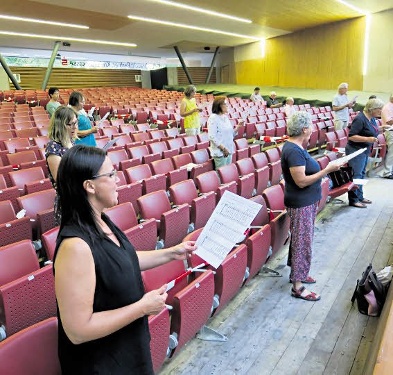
[{"x": 358, "y": 165}]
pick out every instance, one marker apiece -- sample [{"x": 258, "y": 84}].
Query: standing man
[
  {"x": 272, "y": 101},
  {"x": 53, "y": 103},
  {"x": 341, "y": 105},
  {"x": 256, "y": 96}
]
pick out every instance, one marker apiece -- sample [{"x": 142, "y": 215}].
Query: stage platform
[{"x": 313, "y": 96}]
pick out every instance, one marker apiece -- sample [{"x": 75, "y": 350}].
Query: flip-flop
[
  {"x": 358, "y": 205},
  {"x": 366, "y": 201},
  {"x": 311, "y": 296},
  {"x": 308, "y": 280}
]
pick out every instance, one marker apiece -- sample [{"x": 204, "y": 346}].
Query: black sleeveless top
[{"x": 118, "y": 283}]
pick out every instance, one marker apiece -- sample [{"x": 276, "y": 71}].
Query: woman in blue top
[
  {"x": 85, "y": 129},
  {"x": 363, "y": 134},
  {"x": 302, "y": 177}
]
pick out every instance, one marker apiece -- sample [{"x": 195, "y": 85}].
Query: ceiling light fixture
[
  {"x": 22, "y": 19},
  {"x": 201, "y": 10},
  {"x": 52, "y": 37},
  {"x": 353, "y": 7},
  {"x": 167, "y": 23}
]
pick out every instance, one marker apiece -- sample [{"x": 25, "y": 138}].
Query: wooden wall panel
[
  {"x": 198, "y": 75},
  {"x": 32, "y": 77},
  {"x": 319, "y": 58}
]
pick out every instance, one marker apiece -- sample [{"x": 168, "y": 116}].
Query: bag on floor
[
  {"x": 370, "y": 293},
  {"x": 341, "y": 177}
]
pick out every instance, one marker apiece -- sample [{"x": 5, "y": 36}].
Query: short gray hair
[
  {"x": 189, "y": 90},
  {"x": 297, "y": 122},
  {"x": 272, "y": 93},
  {"x": 289, "y": 99},
  {"x": 373, "y": 104},
  {"x": 343, "y": 85}
]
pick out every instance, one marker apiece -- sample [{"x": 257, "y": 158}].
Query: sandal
[
  {"x": 310, "y": 296},
  {"x": 358, "y": 205},
  {"x": 366, "y": 201},
  {"x": 309, "y": 280}
]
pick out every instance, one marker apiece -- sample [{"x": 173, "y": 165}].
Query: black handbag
[{"x": 341, "y": 177}]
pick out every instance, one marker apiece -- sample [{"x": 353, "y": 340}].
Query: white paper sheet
[
  {"x": 99, "y": 124},
  {"x": 230, "y": 219},
  {"x": 360, "y": 181},
  {"x": 346, "y": 158},
  {"x": 90, "y": 113}
]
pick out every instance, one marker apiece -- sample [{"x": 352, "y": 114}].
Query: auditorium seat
[
  {"x": 273, "y": 156},
  {"x": 8, "y": 193},
  {"x": 39, "y": 208},
  {"x": 166, "y": 167},
  {"x": 172, "y": 223},
  {"x": 325, "y": 194},
  {"x": 130, "y": 193},
  {"x": 201, "y": 206},
  {"x": 117, "y": 156},
  {"x": 210, "y": 181},
  {"x": 161, "y": 148},
  {"x": 149, "y": 181},
  {"x": 143, "y": 154},
  {"x": 49, "y": 242},
  {"x": 251, "y": 149},
  {"x": 33, "y": 350},
  {"x": 16, "y": 260},
  {"x": 24, "y": 176},
  {"x": 13, "y": 229},
  {"x": 274, "y": 198},
  {"x": 229, "y": 276},
  {"x": 21, "y": 157},
  {"x": 245, "y": 183},
  {"x": 261, "y": 175},
  {"x": 178, "y": 144},
  {"x": 17, "y": 143},
  {"x": 27, "y": 300}
]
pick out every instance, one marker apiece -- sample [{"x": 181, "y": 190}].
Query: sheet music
[
  {"x": 90, "y": 113},
  {"x": 110, "y": 143},
  {"x": 230, "y": 219},
  {"x": 346, "y": 158},
  {"x": 102, "y": 120}
]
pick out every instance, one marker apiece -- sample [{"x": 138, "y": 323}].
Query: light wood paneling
[
  {"x": 32, "y": 77},
  {"x": 321, "y": 57},
  {"x": 198, "y": 75}
]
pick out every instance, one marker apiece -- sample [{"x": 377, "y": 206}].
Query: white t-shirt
[
  {"x": 256, "y": 98},
  {"x": 220, "y": 132},
  {"x": 342, "y": 114}
]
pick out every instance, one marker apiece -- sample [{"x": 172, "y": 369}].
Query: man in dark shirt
[{"x": 272, "y": 101}]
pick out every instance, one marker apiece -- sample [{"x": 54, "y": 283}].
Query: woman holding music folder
[
  {"x": 363, "y": 134},
  {"x": 62, "y": 133},
  {"x": 302, "y": 193},
  {"x": 102, "y": 305}
]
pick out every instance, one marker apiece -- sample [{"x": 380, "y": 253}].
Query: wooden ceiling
[{"x": 108, "y": 20}]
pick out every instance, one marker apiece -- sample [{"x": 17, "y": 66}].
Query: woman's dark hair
[
  {"x": 75, "y": 98},
  {"x": 217, "y": 103},
  {"x": 52, "y": 90},
  {"x": 79, "y": 163}
]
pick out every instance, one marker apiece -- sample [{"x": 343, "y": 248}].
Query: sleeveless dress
[{"x": 118, "y": 283}]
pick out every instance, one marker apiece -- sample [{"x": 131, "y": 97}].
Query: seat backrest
[
  {"x": 140, "y": 137},
  {"x": 181, "y": 160},
  {"x": 49, "y": 242},
  {"x": 7, "y": 212},
  {"x": 157, "y": 147},
  {"x": 22, "y": 177},
  {"x": 123, "y": 215},
  {"x": 228, "y": 173},
  {"x": 162, "y": 166},
  {"x": 200, "y": 156},
  {"x": 190, "y": 140},
  {"x": 203, "y": 137},
  {"x": 208, "y": 181},
  {"x": 32, "y": 350},
  {"x": 172, "y": 132},
  {"x": 12, "y": 144},
  {"x": 183, "y": 192},
  {"x": 262, "y": 216},
  {"x": 175, "y": 143},
  {"x": 138, "y": 151},
  {"x": 245, "y": 166},
  {"x": 274, "y": 197},
  {"x": 153, "y": 205},
  {"x": 16, "y": 260},
  {"x": 323, "y": 162},
  {"x": 140, "y": 172},
  {"x": 273, "y": 155},
  {"x": 260, "y": 160},
  {"x": 117, "y": 156},
  {"x": 37, "y": 202},
  {"x": 21, "y": 157},
  {"x": 3, "y": 184},
  {"x": 241, "y": 143}
]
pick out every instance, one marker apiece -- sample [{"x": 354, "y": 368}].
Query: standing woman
[
  {"x": 302, "y": 193},
  {"x": 190, "y": 111},
  {"x": 102, "y": 305},
  {"x": 221, "y": 133},
  {"x": 363, "y": 134},
  {"x": 85, "y": 129},
  {"x": 62, "y": 133}
]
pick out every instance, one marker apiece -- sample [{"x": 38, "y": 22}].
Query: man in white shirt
[
  {"x": 256, "y": 96},
  {"x": 341, "y": 105}
]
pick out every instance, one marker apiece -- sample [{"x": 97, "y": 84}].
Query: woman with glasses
[
  {"x": 62, "y": 133},
  {"x": 85, "y": 129},
  {"x": 221, "y": 133},
  {"x": 102, "y": 306}
]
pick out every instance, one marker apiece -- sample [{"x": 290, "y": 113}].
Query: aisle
[{"x": 270, "y": 332}]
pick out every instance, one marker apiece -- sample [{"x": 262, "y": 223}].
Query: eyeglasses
[
  {"x": 111, "y": 174},
  {"x": 73, "y": 124}
]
